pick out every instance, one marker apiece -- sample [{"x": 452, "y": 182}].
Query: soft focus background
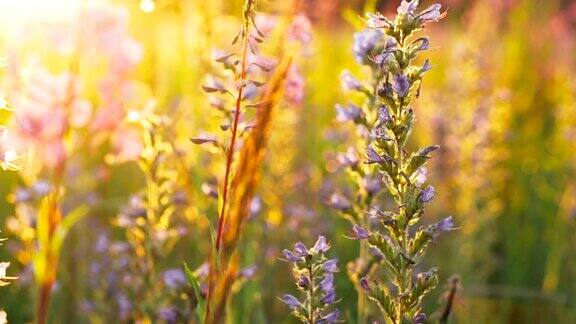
[{"x": 500, "y": 101}]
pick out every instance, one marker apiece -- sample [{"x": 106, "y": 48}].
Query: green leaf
[{"x": 193, "y": 280}]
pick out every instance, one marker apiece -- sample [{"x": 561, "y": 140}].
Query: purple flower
[
  {"x": 321, "y": 245},
  {"x": 290, "y": 256},
  {"x": 426, "y": 67},
  {"x": 408, "y": 7},
  {"x": 360, "y": 232},
  {"x": 364, "y": 42},
  {"x": 384, "y": 115},
  {"x": 373, "y": 156},
  {"x": 401, "y": 85},
  {"x": 348, "y": 159},
  {"x": 350, "y": 112},
  {"x": 303, "y": 282},
  {"x": 432, "y": 14},
  {"x": 327, "y": 284},
  {"x": 329, "y": 298},
  {"x": 301, "y": 250},
  {"x": 427, "y": 194},
  {"x": 174, "y": 278},
  {"x": 420, "y": 318},
  {"x": 169, "y": 314},
  {"x": 332, "y": 317},
  {"x": 445, "y": 225},
  {"x": 377, "y": 21},
  {"x": 291, "y": 301},
  {"x": 372, "y": 185},
  {"x": 248, "y": 272},
  {"x": 339, "y": 202},
  {"x": 349, "y": 82},
  {"x": 331, "y": 265},
  {"x": 365, "y": 284}
]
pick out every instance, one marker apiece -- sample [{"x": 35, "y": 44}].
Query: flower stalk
[{"x": 389, "y": 48}]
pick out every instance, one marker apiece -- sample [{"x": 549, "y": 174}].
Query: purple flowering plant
[
  {"x": 390, "y": 239},
  {"x": 314, "y": 274}
]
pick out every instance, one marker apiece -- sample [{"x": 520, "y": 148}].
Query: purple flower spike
[
  {"x": 401, "y": 85},
  {"x": 349, "y": 82},
  {"x": 427, "y": 194},
  {"x": 360, "y": 232},
  {"x": 291, "y": 301},
  {"x": 331, "y": 265},
  {"x": 321, "y": 245}
]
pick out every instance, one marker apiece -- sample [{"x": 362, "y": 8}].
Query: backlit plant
[{"x": 389, "y": 48}]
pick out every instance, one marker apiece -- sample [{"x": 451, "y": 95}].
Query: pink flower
[
  {"x": 300, "y": 29},
  {"x": 45, "y": 108},
  {"x": 295, "y": 86},
  {"x": 265, "y": 23}
]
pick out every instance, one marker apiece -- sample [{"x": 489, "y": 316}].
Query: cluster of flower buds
[
  {"x": 314, "y": 275},
  {"x": 389, "y": 49}
]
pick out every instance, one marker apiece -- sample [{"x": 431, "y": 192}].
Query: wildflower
[
  {"x": 401, "y": 85},
  {"x": 339, "y": 202},
  {"x": 321, "y": 245},
  {"x": 431, "y": 14},
  {"x": 300, "y": 29},
  {"x": 408, "y": 6},
  {"x": 331, "y": 265},
  {"x": 364, "y": 42},
  {"x": 349, "y": 82},
  {"x": 350, "y": 112},
  {"x": 291, "y": 301},
  {"x": 348, "y": 159},
  {"x": 360, "y": 233},
  {"x": 377, "y": 21},
  {"x": 403, "y": 173},
  {"x": 427, "y": 194},
  {"x": 315, "y": 280}
]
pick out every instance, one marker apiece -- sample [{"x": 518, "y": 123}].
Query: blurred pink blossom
[
  {"x": 295, "y": 86},
  {"x": 300, "y": 30},
  {"x": 44, "y": 108}
]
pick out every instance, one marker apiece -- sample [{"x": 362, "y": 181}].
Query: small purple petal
[
  {"x": 331, "y": 265},
  {"x": 420, "y": 318},
  {"x": 349, "y": 82},
  {"x": 290, "y": 256},
  {"x": 301, "y": 250},
  {"x": 321, "y": 245},
  {"x": 365, "y": 284},
  {"x": 360, "y": 232},
  {"x": 401, "y": 85},
  {"x": 427, "y": 194},
  {"x": 291, "y": 301}
]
